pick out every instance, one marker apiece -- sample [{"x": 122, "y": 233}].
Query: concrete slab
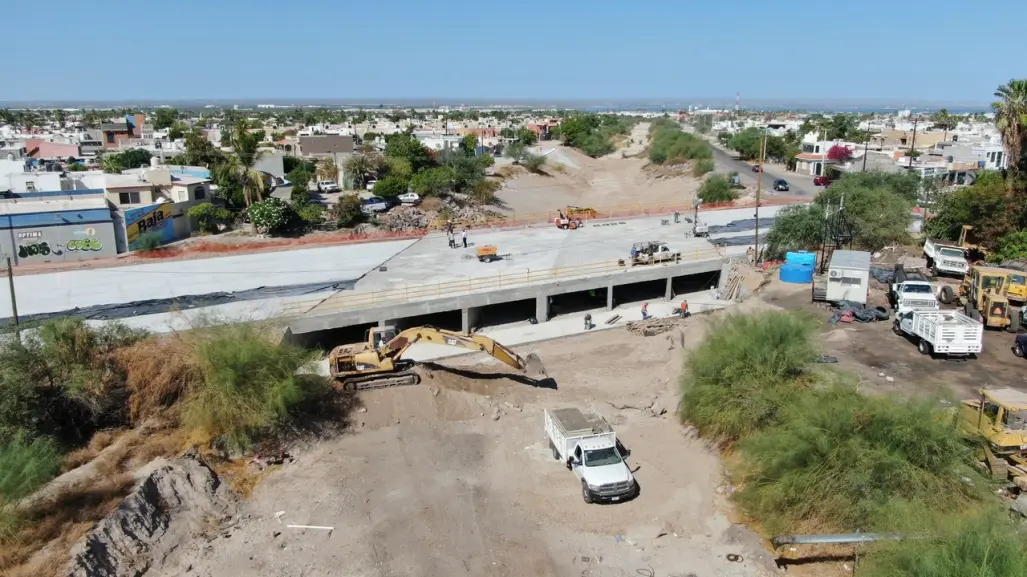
[
  {"x": 523, "y": 251},
  {"x": 45, "y": 293}
]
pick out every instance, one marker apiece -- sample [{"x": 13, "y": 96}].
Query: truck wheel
[
  {"x": 895, "y": 327},
  {"x": 946, "y": 296},
  {"x": 556, "y": 454},
  {"x": 924, "y": 347},
  {"x": 1018, "y": 350},
  {"x": 586, "y": 494}
]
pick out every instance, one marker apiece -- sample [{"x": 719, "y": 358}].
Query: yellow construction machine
[
  {"x": 998, "y": 419},
  {"x": 983, "y": 295},
  {"x": 379, "y": 362}
]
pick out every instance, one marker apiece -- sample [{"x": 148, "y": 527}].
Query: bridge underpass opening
[
  {"x": 449, "y": 320},
  {"x": 640, "y": 292},
  {"x": 329, "y": 339},
  {"x": 500, "y": 314},
  {"x": 694, "y": 283},
  {"x": 576, "y": 302}
]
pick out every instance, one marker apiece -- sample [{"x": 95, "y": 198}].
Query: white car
[
  {"x": 410, "y": 198},
  {"x": 328, "y": 186},
  {"x": 370, "y": 184}
]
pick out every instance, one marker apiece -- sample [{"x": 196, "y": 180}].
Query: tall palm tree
[
  {"x": 111, "y": 163},
  {"x": 363, "y": 167},
  {"x": 1011, "y": 120},
  {"x": 326, "y": 169},
  {"x": 246, "y": 146},
  {"x": 944, "y": 121}
]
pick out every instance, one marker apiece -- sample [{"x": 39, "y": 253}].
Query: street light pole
[
  {"x": 912, "y": 145},
  {"x": 866, "y": 146},
  {"x": 14, "y": 299},
  {"x": 759, "y": 187}
]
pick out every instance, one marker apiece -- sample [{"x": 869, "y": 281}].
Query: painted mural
[{"x": 154, "y": 219}]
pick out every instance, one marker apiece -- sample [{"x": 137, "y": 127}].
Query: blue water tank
[
  {"x": 803, "y": 257},
  {"x": 797, "y": 273}
]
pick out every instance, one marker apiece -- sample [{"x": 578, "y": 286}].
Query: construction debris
[
  {"x": 403, "y": 218},
  {"x": 654, "y": 326},
  {"x": 743, "y": 280}
]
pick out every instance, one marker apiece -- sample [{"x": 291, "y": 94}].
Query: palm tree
[
  {"x": 326, "y": 169},
  {"x": 944, "y": 121},
  {"x": 1011, "y": 120},
  {"x": 363, "y": 167},
  {"x": 248, "y": 153},
  {"x": 111, "y": 163}
]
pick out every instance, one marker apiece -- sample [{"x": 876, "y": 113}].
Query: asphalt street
[{"x": 798, "y": 185}]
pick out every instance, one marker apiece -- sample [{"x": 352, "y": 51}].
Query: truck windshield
[
  {"x": 1015, "y": 420},
  {"x": 601, "y": 457},
  {"x": 954, "y": 253},
  {"x": 1017, "y": 279},
  {"x": 917, "y": 288}
]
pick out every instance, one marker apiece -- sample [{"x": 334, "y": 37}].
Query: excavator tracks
[{"x": 380, "y": 381}]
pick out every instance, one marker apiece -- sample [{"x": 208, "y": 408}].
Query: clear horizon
[{"x": 877, "y": 53}]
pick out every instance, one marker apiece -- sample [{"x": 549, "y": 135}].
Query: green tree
[
  {"x": 469, "y": 144},
  {"x": 391, "y": 187},
  {"x": 1011, "y": 120},
  {"x": 164, "y": 118},
  {"x": 703, "y": 123},
  {"x": 347, "y": 211},
  {"x": 796, "y": 227},
  {"x": 747, "y": 143},
  {"x": 515, "y": 150},
  {"x": 201, "y": 152},
  {"x": 209, "y": 216},
  {"x": 111, "y": 163},
  {"x": 534, "y": 163},
  {"x": 246, "y": 146},
  {"x": 433, "y": 181},
  {"x": 944, "y": 121},
  {"x": 983, "y": 205},
  {"x": 135, "y": 158},
  {"x": 716, "y": 188},
  {"x": 526, "y": 136},
  {"x": 406, "y": 146},
  {"x": 363, "y": 167},
  {"x": 271, "y": 215}
]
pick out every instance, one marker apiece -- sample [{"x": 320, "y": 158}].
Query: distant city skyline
[{"x": 803, "y": 55}]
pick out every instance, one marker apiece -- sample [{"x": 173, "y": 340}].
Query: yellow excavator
[{"x": 379, "y": 362}]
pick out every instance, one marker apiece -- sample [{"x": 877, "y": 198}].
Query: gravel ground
[{"x": 454, "y": 477}]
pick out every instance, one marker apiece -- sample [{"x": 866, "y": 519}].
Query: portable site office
[{"x": 847, "y": 279}]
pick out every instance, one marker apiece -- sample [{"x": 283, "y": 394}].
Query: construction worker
[
  {"x": 683, "y": 311},
  {"x": 645, "y": 311},
  {"x": 464, "y": 236},
  {"x": 381, "y": 342},
  {"x": 588, "y": 321}
]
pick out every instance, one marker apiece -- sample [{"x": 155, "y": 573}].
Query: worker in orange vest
[{"x": 683, "y": 311}]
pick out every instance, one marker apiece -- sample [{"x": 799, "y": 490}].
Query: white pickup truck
[
  {"x": 910, "y": 290},
  {"x": 947, "y": 259},
  {"x": 948, "y": 333},
  {"x": 586, "y": 443}
]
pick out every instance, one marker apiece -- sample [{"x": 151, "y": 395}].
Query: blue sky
[{"x": 940, "y": 51}]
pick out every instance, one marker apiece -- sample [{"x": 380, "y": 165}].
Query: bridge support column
[
  {"x": 725, "y": 275},
  {"x": 542, "y": 307},
  {"x": 469, "y": 319},
  {"x": 669, "y": 292},
  {"x": 609, "y": 298}
]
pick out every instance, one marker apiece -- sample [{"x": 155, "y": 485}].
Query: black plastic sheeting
[
  {"x": 744, "y": 225},
  {"x": 882, "y": 275},
  {"x": 860, "y": 312},
  {"x": 165, "y": 305}
]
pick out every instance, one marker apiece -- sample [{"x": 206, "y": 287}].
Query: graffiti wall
[
  {"x": 58, "y": 243},
  {"x": 155, "y": 220}
]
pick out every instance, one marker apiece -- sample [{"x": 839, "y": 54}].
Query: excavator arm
[{"x": 395, "y": 348}]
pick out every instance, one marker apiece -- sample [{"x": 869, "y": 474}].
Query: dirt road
[{"x": 454, "y": 477}]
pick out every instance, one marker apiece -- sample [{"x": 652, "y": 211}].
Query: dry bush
[
  {"x": 432, "y": 203},
  {"x": 100, "y": 441},
  {"x": 509, "y": 170},
  {"x": 159, "y": 372},
  {"x": 58, "y": 523}
]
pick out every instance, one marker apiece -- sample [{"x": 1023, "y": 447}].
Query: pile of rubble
[
  {"x": 654, "y": 326},
  {"x": 455, "y": 209}
]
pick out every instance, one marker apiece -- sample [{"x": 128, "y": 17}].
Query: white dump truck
[
  {"x": 947, "y": 333},
  {"x": 945, "y": 259},
  {"x": 586, "y": 443},
  {"x": 910, "y": 290}
]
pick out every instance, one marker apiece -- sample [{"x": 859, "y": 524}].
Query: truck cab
[{"x": 586, "y": 443}]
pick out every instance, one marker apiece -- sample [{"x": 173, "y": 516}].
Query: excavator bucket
[{"x": 533, "y": 366}]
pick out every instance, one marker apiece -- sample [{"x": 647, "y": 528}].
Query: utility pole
[
  {"x": 912, "y": 145},
  {"x": 866, "y": 145},
  {"x": 14, "y": 299},
  {"x": 759, "y": 187}
]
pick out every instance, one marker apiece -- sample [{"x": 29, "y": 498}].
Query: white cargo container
[
  {"x": 587, "y": 445},
  {"x": 848, "y": 277},
  {"x": 948, "y": 333}
]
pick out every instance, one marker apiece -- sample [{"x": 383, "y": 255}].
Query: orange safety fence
[{"x": 356, "y": 300}]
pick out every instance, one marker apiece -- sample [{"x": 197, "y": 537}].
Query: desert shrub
[
  {"x": 702, "y": 166},
  {"x": 311, "y": 214},
  {"x": 25, "y": 464},
  {"x": 246, "y": 384},
  {"x": 63, "y": 380},
  {"x": 148, "y": 241},
  {"x": 533, "y": 162},
  {"x": 159, "y": 371},
  {"x": 737, "y": 380},
  {"x": 270, "y": 215},
  {"x": 670, "y": 145},
  {"x": 837, "y": 458},
  {"x": 208, "y": 216},
  {"x": 483, "y": 191},
  {"x": 347, "y": 210},
  {"x": 982, "y": 545},
  {"x": 716, "y": 188}
]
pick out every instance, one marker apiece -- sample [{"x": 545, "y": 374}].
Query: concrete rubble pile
[
  {"x": 164, "y": 513},
  {"x": 653, "y": 326},
  {"x": 403, "y": 218}
]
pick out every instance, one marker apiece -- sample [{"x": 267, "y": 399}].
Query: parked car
[
  {"x": 373, "y": 205},
  {"x": 410, "y": 198},
  {"x": 370, "y": 184},
  {"x": 328, "y": 186},
  {"x": 757, "y": 168},
  {"x": 1020, "y": 345},
  {"x": 781, "y": 185},
  {"x": 821, "y": 180}
]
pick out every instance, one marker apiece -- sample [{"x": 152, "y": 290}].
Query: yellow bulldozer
[
  {"x": 379, "y": 362},
  {"x": 992, "y": 295},
  {"x": 998, "y": 418}
]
